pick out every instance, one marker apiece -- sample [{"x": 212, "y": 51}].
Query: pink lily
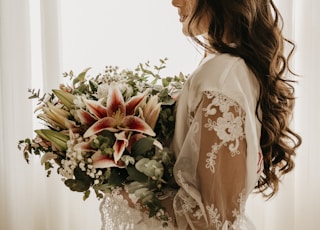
[
  {"x": 55, "y": 116},
  {"x": 151, "y": 111},
  {"x": 85, "y": 117},
  {"x": 102, "y": 161},
  {"x": 120, "y": 145},
  {"x": 118, "y": 115}
]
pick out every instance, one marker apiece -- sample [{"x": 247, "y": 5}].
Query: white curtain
[{"x": 40, "y": 39}]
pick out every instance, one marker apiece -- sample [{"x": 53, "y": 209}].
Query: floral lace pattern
[
  {"x": 116, "y": 214},
  {"x": 228, "y": 127},
  {"x": 215, "y": 217},
  {"x": 219, "y": 120}
]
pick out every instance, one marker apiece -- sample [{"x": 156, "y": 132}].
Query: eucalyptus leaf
[
  {"x": 142, "y": 146},
  {"x": 135, "y": 175},
  {"x": 82, "y": 175},
  {"x": 117, "y": 176},
  {"x": 77, "y": 185},
  {"x": 81, "y": 76},
  {"x": 93, "y": 86}
]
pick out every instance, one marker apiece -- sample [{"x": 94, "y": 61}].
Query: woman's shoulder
[
  {"x": 220, "y": 65},
  {"x": 216, "y": 70},
  {"x": 225, "y": 74}
]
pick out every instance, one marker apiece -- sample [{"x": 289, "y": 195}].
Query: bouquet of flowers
[{"x": 110, "y": 130}]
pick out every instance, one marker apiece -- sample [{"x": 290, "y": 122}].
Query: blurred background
[{"x": 41, "y": 39}]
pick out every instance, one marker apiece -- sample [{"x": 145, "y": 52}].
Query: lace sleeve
[{"x": 221, "y": 166}]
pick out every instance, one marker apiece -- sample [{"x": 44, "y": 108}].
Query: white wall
[{"x": 96, "y": 33}]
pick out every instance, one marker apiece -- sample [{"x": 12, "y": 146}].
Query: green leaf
[
  {"x": 117, "y": 176},
  {"x": 81, "y": 89},
  {"x": 154, "y": 206},
  {"x": 86, "y": 195},
  {"x": 77, "y": 185},
  {"x": 82, "y": 175},
  {"x": 165, "y": 82},
  {"x": 81, "y": 77},
  {"x": 81, "y": 183},
  {"x": 135, "y": 175},
  {"x": 93, "y": 86},
  {"x": 142, "y": 146}
]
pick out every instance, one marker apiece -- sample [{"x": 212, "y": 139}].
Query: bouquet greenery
[{"x": 110, "y": 130}]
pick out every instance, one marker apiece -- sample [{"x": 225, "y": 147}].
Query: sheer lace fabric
[
  {"x": 217, "y": 146},
  {"x": 222, "y": 164}
]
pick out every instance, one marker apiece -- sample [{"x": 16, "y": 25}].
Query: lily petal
[
  {"x": 48, "y": 156},
  {"x": 85, "y": 117},
  {"x": 120, "y": 145},
  {"x": 153, "y": 100},
  {"x": 133, "y": 103},
  {"x": 57, "y": 116},
  {"x": 152, "y": 117},
  {"x": 107, "y": 123},
  {"x": 115, "y": 101},
  {"x": 102, "y": 161},
  {"x": 158, "y": 144},
  {"x": 57, "y": 110},
  {"x": 96, "y": 108},
  {"x": 132, "y": 123},
  {"x": 83, "y": 146},
  {"x": 134, "y": 138}
]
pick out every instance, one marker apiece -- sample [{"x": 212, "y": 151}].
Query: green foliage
[
  {"x": 80, "y": 183},
  {"x": 142, "y": 147},
  {"x": 143, "y": 169}
]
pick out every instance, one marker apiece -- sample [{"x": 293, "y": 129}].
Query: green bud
[{"x": 95, "y": 143}]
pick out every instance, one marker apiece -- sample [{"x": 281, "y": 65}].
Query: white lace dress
[
  {"x": 118, "y": 215},
  {"x": 216, "y": 143}
]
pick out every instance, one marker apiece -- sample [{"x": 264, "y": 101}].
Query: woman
[{"x": 232, "y": 130}]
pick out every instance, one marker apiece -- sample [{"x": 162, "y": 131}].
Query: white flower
[{"x": 103, "y": 90}]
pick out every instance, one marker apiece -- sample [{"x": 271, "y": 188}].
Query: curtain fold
[
  {"x": 40, "y": 38},
  {"x": 15, "y": 109},
  {"x": 307, "y": 187}
]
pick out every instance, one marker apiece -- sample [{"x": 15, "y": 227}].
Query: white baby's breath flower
[
  {"x": 78, "y": 102},
  {"x": 128, "y": 92},
  {"x": 103, "y": 90}
]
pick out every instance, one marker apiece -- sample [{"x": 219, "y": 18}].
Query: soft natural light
[
  {"x": 123, "y": 33},
  {"x": 41, "y": 39}
]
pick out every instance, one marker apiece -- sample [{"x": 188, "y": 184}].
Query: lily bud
[
  {"x": 65, "y": 97},
  {"x": 59, "y": 140},
  {"x": 57, "y": 117},
  {"x": 151, "y": 111}
]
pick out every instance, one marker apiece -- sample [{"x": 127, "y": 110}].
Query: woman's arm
[{"x": 221, "y": 167}]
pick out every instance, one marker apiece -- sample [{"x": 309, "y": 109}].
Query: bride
[{"x": 232, "y": 130}]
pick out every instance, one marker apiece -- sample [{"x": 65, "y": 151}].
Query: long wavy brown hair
[{"x": 255, "y": 26}]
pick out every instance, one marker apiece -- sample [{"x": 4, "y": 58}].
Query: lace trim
[
  {"x": 228, "y": 127},
  {"x": 189, "y": 206},
  {"x": 215, "y": 219},
  {"x": 116, "y": 214}
]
